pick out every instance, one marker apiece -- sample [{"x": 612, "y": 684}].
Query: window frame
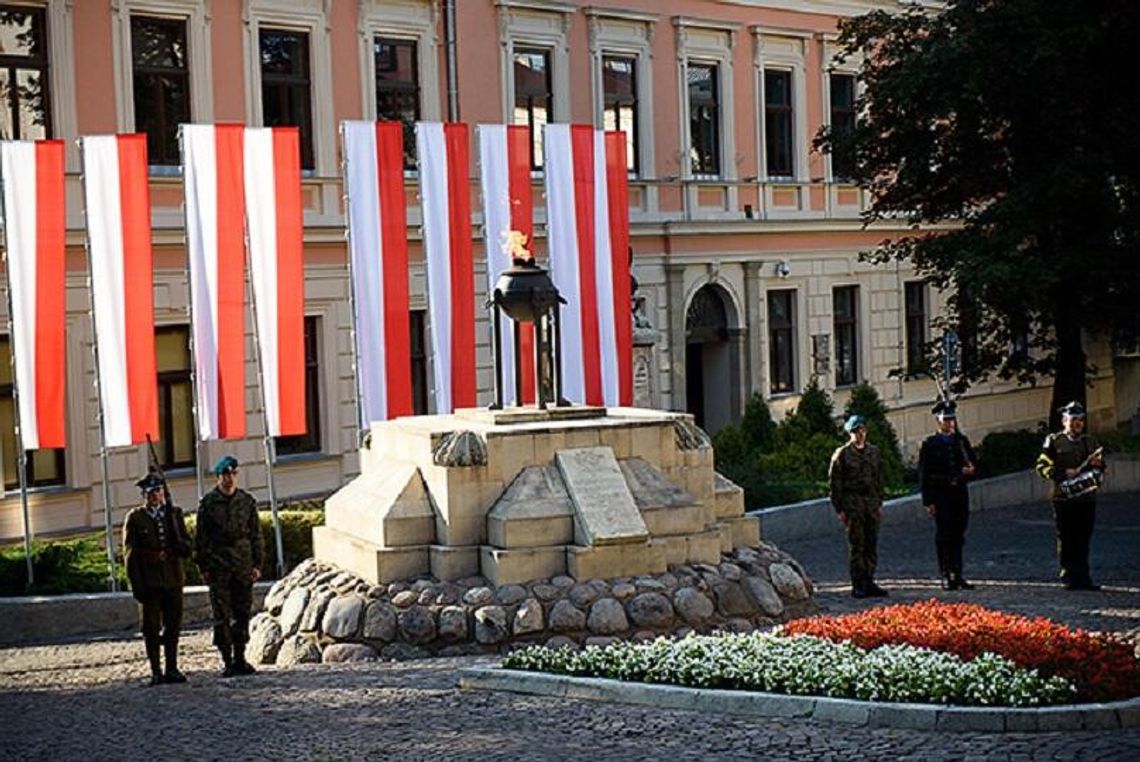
[
  {"x": 718, "y": 126},
  {"x": 43, "y": 64},
  {"x": 776, "y": 385},
  {"x": 848, "y": 326},
  {"x": 633, "y": 134},
  {"x": 786, "y": 114},
  {"x": 400, "y": 88},
  {"x": 787, "y": 50},
  {"x": 833, "y": 174},
  {"x": 293, "y": 83},
  {"x": 60, "y": 453},
  {"x": 916, "y": 329},
  {"x": 421, "y": 398},
  {"x": 311, "y": 442},
  {"x": 166, "y": 379},
  {"x": 537, "y": 138},
  {"x": 184, "y": 73}
]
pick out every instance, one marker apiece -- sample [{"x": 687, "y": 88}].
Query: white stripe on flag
[
  {"x": 19, "y": 173},
  {"x": 261, "y": 220},
  {"x": 105, "y": 238},
  {"x": 200, "y": 169},
  {"x": 437, "y": 250},
  {"x": 562, "y": 242},
  {"x": 493, "y": 172},
  {"x": 366, "y": 249},
  {"x": 604, "y": 276}
]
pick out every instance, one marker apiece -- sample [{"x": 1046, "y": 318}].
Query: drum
[{"x": 1082, "y": 484}]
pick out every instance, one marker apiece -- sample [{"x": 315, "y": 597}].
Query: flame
[{"x": 514, "y": 244}]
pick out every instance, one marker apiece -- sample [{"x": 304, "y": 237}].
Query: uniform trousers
[
  {"x": 161, "y": 614},
  {"x": 1074, "y": 527},
  {"x": 862, "y": 539},
  {"x": 231, "y": 597},
  {"x": 951, "y": 516}
]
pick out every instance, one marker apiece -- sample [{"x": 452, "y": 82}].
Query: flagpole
[
  {"x": 195, "y": 412},
  {"x": 270, "y": 445},
  {"x": 21, "y": 454},
  {"x": 361, "y": 424},
  {"x": 113, "y": 581}
]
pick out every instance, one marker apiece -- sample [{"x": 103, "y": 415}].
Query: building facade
[{"x": 745, "y": 242}]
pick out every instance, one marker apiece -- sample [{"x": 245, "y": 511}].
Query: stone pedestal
[{"x": 521, "y": 494}]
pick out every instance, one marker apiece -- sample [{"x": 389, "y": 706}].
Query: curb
[{"x": 874, "y": 714}]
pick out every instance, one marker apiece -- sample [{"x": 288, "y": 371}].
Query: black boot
[
  {"x": 960, "y": 582},
  {"x": 172, "y": 673},
  {"x": 152, "y": 656},
  {"x": 241, "y": 666},
  {"x": 874, "y": 591},
  {"x": 948, "y": 582},
  {"x": 227, "y": 661}
]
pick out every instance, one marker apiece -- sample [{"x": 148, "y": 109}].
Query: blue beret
[
  {"x": 855, "y": 422},
  {"x": 225, "y": 463}
]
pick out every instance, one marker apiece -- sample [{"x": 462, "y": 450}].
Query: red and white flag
[
  {"x": 587, "y": 208},
  {"x": 272, "y": 159},
  {"x": 212, "y": 169},
  {"x": 117, "y": 194},
  {"x": 446, "y": 203},
  {"x": 34, "y": 227},
  {"x": 504, "y": 169},
  {"x": 378, "y": 247}
]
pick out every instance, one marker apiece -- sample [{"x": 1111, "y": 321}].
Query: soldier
[
  {"x": 229, "y": 552},
  {"x": 154, "y": 539},
  {"x": 856, "y": 477},
  {"x": 946, "y": 463},
  {"x": 1064, "y": 455}
]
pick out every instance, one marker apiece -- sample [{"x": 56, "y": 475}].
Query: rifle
[{"x": 154, "y": 467}]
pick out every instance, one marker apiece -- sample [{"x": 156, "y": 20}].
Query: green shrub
[
  {"x": 1119, "y": 440},
  {"x": 1004, "y": 452},
  {"x": 296, "y": 540},
  {"x": 756, "y": 424}
]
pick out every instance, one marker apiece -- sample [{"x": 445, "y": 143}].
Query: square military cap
[
  {"x": 945, "y": 409},
  {"x": 1074, "y": 410}
]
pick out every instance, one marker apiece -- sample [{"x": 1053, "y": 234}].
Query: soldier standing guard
[
  {"x": 1064, "y": 455},
  {"x": 229, "y": 552},
  {"x": 946, "y": 462},
  {"x": 856, "y": 478},
  {"x": 155, "y": 542}
]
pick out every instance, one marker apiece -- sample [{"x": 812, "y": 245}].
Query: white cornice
[
  {"x": 537, "y": 5},
  {"x": 836, "y": 7},
  {"x": 595, "y": 11}
]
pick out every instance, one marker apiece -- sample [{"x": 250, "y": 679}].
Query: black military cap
[
  {"x": 150, "y": 483},
  {"x": 945, "y": 409},
  {"x": 1074, "y": 410}
]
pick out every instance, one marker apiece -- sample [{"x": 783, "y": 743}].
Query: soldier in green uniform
[
  {"x": 1064, "y": 455},
  {"x": 229, "y": 551},
  {"x": 856, "y": 478},
  {"x": 946, "y": 462},
  {"x": 155, "y": 542}
]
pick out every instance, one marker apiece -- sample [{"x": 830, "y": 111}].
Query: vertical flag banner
[
  {"x": 378, "y": 247},
  {"x": 446, "y": 203},
  {"x": 117, "y": 192},
  {"x": 504, "y": 169},
  {"x": 34, "y": 224},
  {"x": 212, "y": 168},
  {"x": 272, "y": 161},
  {"x": 588, "y": 237}
]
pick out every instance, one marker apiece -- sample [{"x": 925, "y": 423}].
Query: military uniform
[
  {"x": 940, "y": 463},
  {"x": 855, "y": 477},
  {"x": 1073, "y": 518},
  {"x": 155, "y": 542},
  {"x": 228, "y": 548}
]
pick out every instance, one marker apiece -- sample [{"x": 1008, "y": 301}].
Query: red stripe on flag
[
  {"x": 522, "y": 220},
  {"x": 50, "y": 299},
  {"x": 290, "y": 282},
  {"x": 617, "y": 193},
  {"x": 582, "y": 146},
  {"x": 462, "y": 268},
  {"x": 394, "y": 238},
  {"x": 229, "y": 150},
  {"x": 138, "y": 287}
]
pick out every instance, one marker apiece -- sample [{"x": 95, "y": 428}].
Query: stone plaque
[{"x": 604, "y": 510}]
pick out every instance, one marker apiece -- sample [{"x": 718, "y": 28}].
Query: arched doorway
[{"x": 711, "y": 364}]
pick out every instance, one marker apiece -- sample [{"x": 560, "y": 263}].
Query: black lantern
[{"x": 526, "y": 294}]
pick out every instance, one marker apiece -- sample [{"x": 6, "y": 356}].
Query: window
[
  {"x": 704, "y": 119},
  {"x": 398, "y": 89},
  {"x": 161, "y": 84},
  {"x": 26, "y": 114},
  {"x": 44, "y": 467},
  {"x": 842, "y": 121},
  {"x": 419, "y": 364},
  {"x": 286, "y": 97},
  {"x": 175, "y": 445},
  {"x": 782, "y": 340},
  {"x": 915, "y": 327},
  {"x": 534, "y": 96},
  {"x": 619, "y": 102},
  {"x": 844, "y": 305},
  {"x": 310, "y": 441},
  {"x": 779, "y": 143}
]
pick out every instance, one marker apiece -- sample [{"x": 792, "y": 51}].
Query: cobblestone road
[{"x": 85, "y": 700}]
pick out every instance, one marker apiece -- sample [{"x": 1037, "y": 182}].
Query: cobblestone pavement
[{"x": 85, "y": 700}]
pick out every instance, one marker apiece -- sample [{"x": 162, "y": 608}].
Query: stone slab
[
  {"x": 505, "y": 567},
  {"x": 534, "y": 511},
  {"x": 745, "y": 531},
  {"x": 729, "y": 497},
  {"x": 370, "y": 562},
  {"x": 450, "y": 563},
  {"x": 528, "y": 414},
  {"x": 703, "y": 548},
  {"x": 606, "y": 561},
  {"x": 604, "y": 510},
  {"x": 387, "y": 506}
]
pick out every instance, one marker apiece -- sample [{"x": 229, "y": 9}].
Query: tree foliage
[{"x": 1006, "y": 130}]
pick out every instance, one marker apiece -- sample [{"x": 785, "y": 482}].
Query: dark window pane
[
  {"x": 782, "y": 340},
  {"x": 175, "y": 445},
  {"x": 534, "y": 96},
  {"x": 286, "y": 98},
  {"x": 915, "y": 326},
  {"x": 161, "y": 84},
  {"x": 25, "y": 105},
  {"x": 419, "y": 364},
  {"x": 842, "y": 120},
  {"x": 310, "y": 441},
  {"x": 398, "y": 89},
  {"x": 44, "y": 467},
  {"x": 704, "y": 119},
  {"x": 619, "y": 87},
  {"x": 779, "y": 142},
  {"x": 844, "y": 301}
]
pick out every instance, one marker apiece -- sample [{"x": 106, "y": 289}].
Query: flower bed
[
  {"x": 1102, "y": 667},
  {"x": 805, "y": 665}
]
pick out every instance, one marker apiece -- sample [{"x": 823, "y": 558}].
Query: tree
[
  {"x": 1004, "y": 133},
  {"x": 865, "y": 401}
]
